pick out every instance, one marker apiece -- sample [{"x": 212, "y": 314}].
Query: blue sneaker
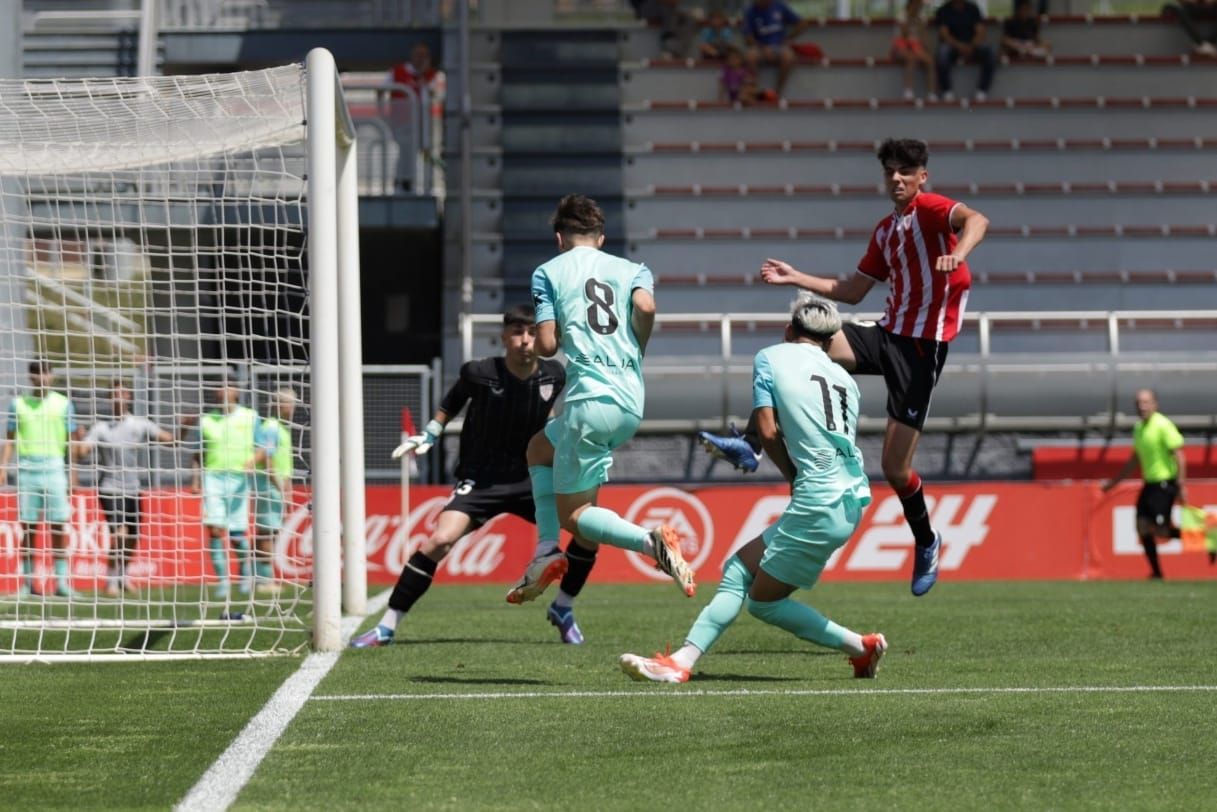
[
  {"x": 925, "y": 566},
  {"x": 564, "y": 620},
  {"x": 374, "y": 637},
  {"x": 733, "y": 448}
]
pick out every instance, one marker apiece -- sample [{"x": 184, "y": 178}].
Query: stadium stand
[{"x": 1090, "y": 165}]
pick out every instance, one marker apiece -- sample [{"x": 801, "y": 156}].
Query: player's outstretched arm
[
  {"x": 971, "y": 226},
  {"x": 850, "y": 291},
  {"x": 419, "y": 444},
  {"x": 766, "y": 421},
  {"x": 6, "y": 456},
  {"x": 642, "y": 319}
]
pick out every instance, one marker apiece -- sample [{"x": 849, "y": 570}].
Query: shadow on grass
[
  {"x": 700, "y": 677},
  {"x": 143, "y": 641},
  {"x": 477, "y": 681}
]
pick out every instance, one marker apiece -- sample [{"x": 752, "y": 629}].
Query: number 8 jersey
[
  {"x": 817, "y": 403},
  {"x": 589, "y": 293}
]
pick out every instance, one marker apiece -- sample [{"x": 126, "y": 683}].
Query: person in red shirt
[
  {"x": 920, "y": 251},
  {"x": 430, "y": 84}
]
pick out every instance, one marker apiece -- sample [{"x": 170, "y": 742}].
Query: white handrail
[{"x": 984, "y": 362}]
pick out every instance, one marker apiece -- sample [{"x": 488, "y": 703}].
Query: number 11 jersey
[
  {"x": 817, "y": 404},
  {"x": 589, "y": 293}
]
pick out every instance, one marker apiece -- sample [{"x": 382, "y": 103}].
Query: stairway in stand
[{"x": 561, "y": 133}]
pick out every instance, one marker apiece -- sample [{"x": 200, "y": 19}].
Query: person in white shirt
[{"x": 120, "y": 443}]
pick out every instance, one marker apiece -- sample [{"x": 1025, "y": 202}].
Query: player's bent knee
[
  {"x": 897, "y": 475},
  {"x": 761, "y": 610},
  {"x": 437, "y": 547},
  {"x": 540, "y": 451}
]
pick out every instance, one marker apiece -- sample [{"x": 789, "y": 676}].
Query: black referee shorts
[
  {"x": 910, "y": 367},
  {"x": 1155, "y": 502},
  {"x": 121, "y": 511},
  {"x": 482, "y": 501}
]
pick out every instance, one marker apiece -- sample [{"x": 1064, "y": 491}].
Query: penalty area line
[
  {"x": 224, "y": 779},
  {"x": 750, "y": 692}
]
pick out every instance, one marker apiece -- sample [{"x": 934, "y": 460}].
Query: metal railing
[
  {"x": 248, "y": 15},
  {"x": 1102, "y": 365},
  {"x": 395, "y": 143}
]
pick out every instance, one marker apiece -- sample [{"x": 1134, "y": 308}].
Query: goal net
[{"x": 156, "y": 372}]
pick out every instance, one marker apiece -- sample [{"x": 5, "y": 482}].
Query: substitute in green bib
[
  {"x": 1158, "y": 450},
  {"x": 272, "y": 484},
  {"x": 41, "y": 425},
  {"x": 227, "y": 455}
]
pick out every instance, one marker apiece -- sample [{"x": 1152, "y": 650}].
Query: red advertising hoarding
[{"x": 1019, "y": 531}]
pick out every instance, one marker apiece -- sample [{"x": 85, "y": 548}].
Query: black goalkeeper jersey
[{"x": 504, "y": 413}]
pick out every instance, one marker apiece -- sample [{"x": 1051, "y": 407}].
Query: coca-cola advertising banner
[{"x": 1020, "y": 531}]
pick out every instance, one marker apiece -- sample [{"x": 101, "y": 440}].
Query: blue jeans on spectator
[{"x": 982, "y": 55}]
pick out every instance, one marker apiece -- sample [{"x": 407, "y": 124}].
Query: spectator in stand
[
  {"x": 1199, "y": 20},
  {"x": 737, "y": 82},
  {"x": 677, "y": 27},
  {"x": 1158, "y": 451},
  {"x": 719, "y": 38},
  {"x": 1020, "y": 35},
  {"x": 962, "y": 32},
  {"x": 431, "y": 85},
  {"x": 911, "y": 48},
  {"x": 770, "y": 25}
]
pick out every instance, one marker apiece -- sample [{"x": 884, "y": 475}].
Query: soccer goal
[{"x": 179, "y": 366}]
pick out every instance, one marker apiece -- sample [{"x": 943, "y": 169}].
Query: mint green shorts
[
  {"x": 43, "y": 489},
  {"x": 226, "y": 500},
  {"x": 799, "y": 543},
  {"x": 584, "y": 438},
  {"x": 268, "y": 503}
]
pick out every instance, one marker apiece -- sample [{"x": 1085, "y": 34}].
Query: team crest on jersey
[{"x": 546, "y": 390}]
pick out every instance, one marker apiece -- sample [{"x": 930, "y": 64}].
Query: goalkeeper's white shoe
[
  {"x": 660, "y": 668},
  {"x": 669, "y": 558},
  {"x": 542, "y": 571}
]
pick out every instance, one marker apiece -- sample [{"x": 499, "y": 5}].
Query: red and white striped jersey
[{"x": 921, "y": 302}]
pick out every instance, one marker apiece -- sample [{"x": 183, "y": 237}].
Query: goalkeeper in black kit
[{"x": 510, "y": 398}]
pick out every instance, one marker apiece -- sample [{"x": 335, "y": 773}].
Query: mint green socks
[
  {"x": 603, "y": 526},
  {"x": 219, "y": 559},
  {"x": 802, "y": 621},
  {"x": 547, "y": 512},
  {"x": 723, "y": 608}
]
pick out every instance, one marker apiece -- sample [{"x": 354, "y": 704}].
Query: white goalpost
[{"x": 179, "y": 366}]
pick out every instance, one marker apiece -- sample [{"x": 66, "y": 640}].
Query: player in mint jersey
[
  {"x": 599, "y": 309},
  {"x": 815, "y": 401},
  {"x": 272, "y": 484},
  {"x": 42, "y": 425},
  {"x": 227, "y": 455}
]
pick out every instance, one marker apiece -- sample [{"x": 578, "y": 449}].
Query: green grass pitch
[{"x": 515, "y": 720}]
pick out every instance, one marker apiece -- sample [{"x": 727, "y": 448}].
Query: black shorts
[
  {"x": 121, "y": 511},
  {"x": 482, "y": 502},
  {"x": 1155, "y": 502},
  {"x": 910, "y": 367}
]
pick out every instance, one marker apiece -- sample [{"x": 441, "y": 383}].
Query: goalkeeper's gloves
[{"x": 420, "y": 444}]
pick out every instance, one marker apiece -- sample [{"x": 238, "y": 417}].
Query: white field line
[
  {"x": 748, "y": 692},
  {"x": 223, "y": 781}
]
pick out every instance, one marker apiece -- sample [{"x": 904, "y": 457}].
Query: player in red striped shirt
[{"x": 919, "y": 250}]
